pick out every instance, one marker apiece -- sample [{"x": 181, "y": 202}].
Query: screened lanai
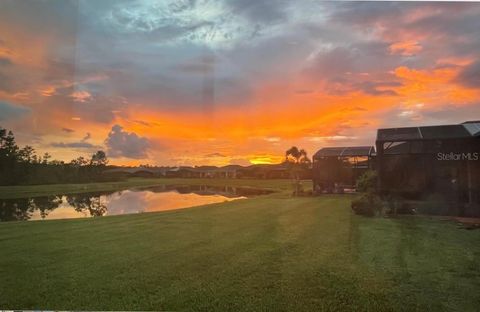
[
  {"x": 416, "y": 162},
  {"x": 337, "y": 168}
]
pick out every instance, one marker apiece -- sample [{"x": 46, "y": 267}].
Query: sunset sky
[{"x": 231, "y": 81}]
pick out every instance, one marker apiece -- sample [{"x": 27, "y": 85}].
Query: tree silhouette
[
  {"x": 297, "y": 162},
  {"x": 24, "y": 166}
]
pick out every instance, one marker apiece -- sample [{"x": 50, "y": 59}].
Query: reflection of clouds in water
[
  {"x": 146, "y": 201},
  {"x": 60, "y": 213},
  {"x": 174, "y": 200},
  {"x": 63, "y": 211},
  {"x": 89, "y": 205},
  {"x": 126, "y": 202}
]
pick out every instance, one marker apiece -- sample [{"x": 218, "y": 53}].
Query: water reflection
[{"x": 114, "y": 203}]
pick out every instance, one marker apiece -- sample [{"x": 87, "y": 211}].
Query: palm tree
[{"x": 297, "y": 162}]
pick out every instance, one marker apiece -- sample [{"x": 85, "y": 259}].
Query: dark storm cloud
[
  {"x": 121, "y": 143},
  {"x": 453, "y": 19},
  {"x": 378, "y": 87},
  {"x": 368, "y": 13},
  {"x": 437, "y": 22},
  {"x": 80, "y": 144},
  {"x": 361, "y": 13},
  {"x": 460, "y": 113},
  {"x": 355, "y": 68},
  {"x": 470, "y": 76},
  {"x": 10, "y": 111},
  {"x": 260, "y": 11},
  {"x": 99, "y": 109},
  {"x": 4, "y": 61},
  {"x": 74, "y": 145}
]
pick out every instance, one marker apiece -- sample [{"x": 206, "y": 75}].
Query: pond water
[{"x": 84, "y": 205}]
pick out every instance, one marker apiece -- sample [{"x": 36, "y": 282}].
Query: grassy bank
[{"x": 267, "y": 253}]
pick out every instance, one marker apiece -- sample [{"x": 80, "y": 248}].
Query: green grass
[{"x": 272, "y": 253}]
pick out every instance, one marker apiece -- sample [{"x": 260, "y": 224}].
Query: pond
[{"x": 85, "y": 205}]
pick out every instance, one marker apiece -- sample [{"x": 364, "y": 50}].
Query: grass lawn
[{"x": 271, "y": 253}]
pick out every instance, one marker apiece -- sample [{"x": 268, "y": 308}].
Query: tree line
[{"x": 22, "y": 165}]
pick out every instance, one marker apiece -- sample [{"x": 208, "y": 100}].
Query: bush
[
  {"x": 367, "y": 182},
  {"x": 367, "y": 205}
]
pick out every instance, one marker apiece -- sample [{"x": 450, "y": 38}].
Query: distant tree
[
  {"x": 297, "y": 161},
  {"x": 79, "y": 162},
  {"x": 97, "y": 164},
  {"x": 56, "y": 162},
  {"x": 24, "y": 166},
  {"x": 46, "y": 157},
  {"x": 99, "y": 159},
  {"x": 8, "y": 157},
  {"x": 27, "y": 154},
  {"x": 8, "y": 146}
]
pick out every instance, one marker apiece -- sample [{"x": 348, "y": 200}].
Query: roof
[
  {"x": 348, "y": 151},
  {"x": 473, "y": 127},
  {"x": 466, "y": 130}
]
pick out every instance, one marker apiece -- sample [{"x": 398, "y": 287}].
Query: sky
[{"x": 202, "y": 82}]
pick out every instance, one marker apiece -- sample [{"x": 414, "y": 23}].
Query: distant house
[
  {"x": 264, "y": 171},
  {"x": 136, "y": 172},
  {"x": 444, "y": 160},
  {"x": 336, "y": 168},
  {"x": 229, "y": 171}
]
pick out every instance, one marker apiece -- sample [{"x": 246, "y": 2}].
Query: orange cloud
[
  {"x": 434, "y": 86},
  {"x": 405, "y": 48}
]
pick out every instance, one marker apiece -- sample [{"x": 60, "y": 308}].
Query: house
[
  {"x": 444, "y": 160},
  {"x": 265, "y": 171},
  {"x": 229, "y": 171},
  {"x": 337, "y": 168},
  {"x": 136, "y": 172}
]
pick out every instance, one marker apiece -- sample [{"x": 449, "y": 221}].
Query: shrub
[
  {"x": 367, "y": 182},
  {"x": 367, "y": 205}
]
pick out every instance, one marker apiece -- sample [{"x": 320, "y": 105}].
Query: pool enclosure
[
  {"x": 336, "y": 169},
  {"x": 441, "y": 161}
]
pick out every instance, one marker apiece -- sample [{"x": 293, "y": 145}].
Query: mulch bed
[{"x": 468, "y": 223}]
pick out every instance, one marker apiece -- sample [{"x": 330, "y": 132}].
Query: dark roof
[
  {"x": 465, "y": 130},
  {"x": 392, "y": 134},
  {"x": 348, "y": 151},
  {"x": 473, "y": 127}
]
